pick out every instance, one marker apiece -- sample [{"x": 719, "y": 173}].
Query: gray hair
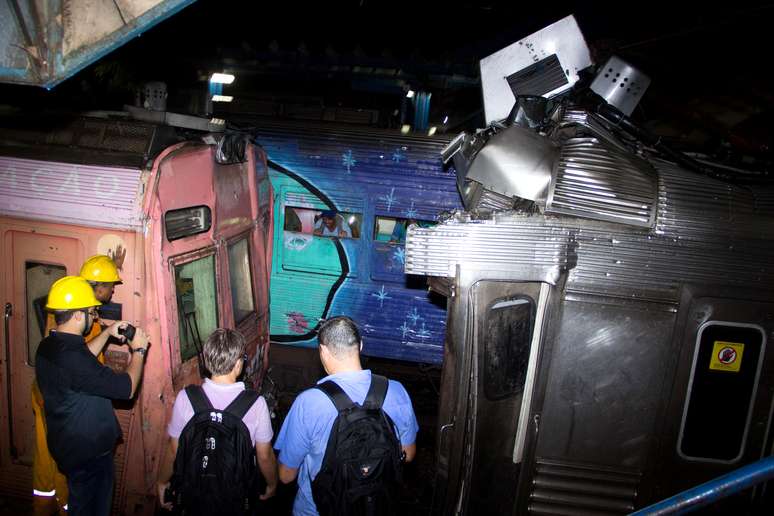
[
  {"x": 222, "y": 349},
  {"x": 340, "y": 336}
]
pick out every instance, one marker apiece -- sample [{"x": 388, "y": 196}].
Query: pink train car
[{"x": 195, "y": 222}]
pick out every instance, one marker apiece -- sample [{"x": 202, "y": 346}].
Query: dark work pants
[{"x": 91, "y": 487}]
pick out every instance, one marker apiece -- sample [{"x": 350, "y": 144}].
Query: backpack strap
[
  {"x": 242, "y": 403},
  {"x": 376, "y": 392},
  {"x": 199, "y": 400},
  {"x": 336, "y": 394}
]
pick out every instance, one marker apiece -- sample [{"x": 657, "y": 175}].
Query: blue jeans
[{"x": 91, "y": 487}]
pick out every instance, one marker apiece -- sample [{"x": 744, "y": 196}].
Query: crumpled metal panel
[
  {"x": 600, "y": 257},
  {"x": 87, "y": 195},
  {"x": 43, "y": 42},
  {"x": 516, "y": 162},
  {"x": 596, "y": 180}
]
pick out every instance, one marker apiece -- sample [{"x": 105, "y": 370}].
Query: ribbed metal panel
[
  {"x": 598, "y": 181},
  {"x": 764, "y": 201},
  {"x": 600, "y": 257},
  {"x": 566, "y": 489},
  {"x": 692, "y": 206},
  {"x": 490, "y": 200},
  {"x": 87, "y": 195},
  {"x": 514, "y": 242},
  {"x": 584, "y": 123}
]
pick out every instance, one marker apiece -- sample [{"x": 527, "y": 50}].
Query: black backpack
[
  {"x": 215, "y": 467},
  {"x": 362, "y": 466}
]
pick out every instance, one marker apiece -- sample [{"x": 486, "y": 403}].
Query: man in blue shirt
[{"x": 304, "y": 434}]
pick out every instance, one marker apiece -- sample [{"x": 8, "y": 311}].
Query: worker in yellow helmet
[
  {"x": 77, "y": 391},
  {"x": 48, "y": 483}
]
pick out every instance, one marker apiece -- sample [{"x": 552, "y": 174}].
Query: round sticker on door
[{"x": 726, "y": 356}]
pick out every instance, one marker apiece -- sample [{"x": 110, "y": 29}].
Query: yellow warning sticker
[{"x": 726, "y": 356}]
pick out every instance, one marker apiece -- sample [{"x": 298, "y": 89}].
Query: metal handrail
[
  {"x": 714, "y": 490},
  {"x": 7, "y": 317}
]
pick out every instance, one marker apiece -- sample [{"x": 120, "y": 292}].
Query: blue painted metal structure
[
  {"x": 714, "y": 490},
  {"x": 368, "y": 172},
  {"x": 44, "y": 42}
]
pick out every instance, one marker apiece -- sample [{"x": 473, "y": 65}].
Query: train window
[
  {"x": 724, "y": 379},
  {"x": 507, "y": 339},
  {"x": 393, "y": 229},
  {"x": 327, "y": 223},
  {"x": 39, "y": 278},
  {"x": 241, "y": 280},
  {"x": 187, "y": 222},
  {"x": 197, "y": 304}
]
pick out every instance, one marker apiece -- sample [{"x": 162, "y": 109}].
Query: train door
[
  {"x": 33, "y": 262},
  {"x": 720, "y": 415},
  {"x": 497, "y": 349}
]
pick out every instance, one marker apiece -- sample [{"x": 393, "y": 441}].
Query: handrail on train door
[
  {"x": 6, "y": 321},
  {"x": 714, "y": 490}
]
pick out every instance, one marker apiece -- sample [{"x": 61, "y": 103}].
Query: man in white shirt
[{"x": 331, "y": 224}]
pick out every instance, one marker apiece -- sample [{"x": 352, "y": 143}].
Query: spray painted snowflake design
[
  {"x": 399, "y": 255},
  {"x": 389, "y": 199},
  {"x": 381, "y": 295},
  {"x": 348, "y": 161},
  {"x": 423, "y": 333},
  {"x": 412, "y": 212},
  {"x": 414, "y": 316},
  {"x": 397, "y": 156},
  {"x": 405, "y": 329}
]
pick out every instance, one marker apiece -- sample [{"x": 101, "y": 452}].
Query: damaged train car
[
  {"x": 191, "y": 218},
  {"x": 375, "y": 182},
  {"x": 610, "y": 304}
]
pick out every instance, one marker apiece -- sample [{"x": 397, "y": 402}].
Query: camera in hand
[{"x": 128, "y": 332}]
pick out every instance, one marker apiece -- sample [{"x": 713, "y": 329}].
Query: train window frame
[
  {"x": 192, "y": 230},
  {"x": 244, "y": 238},
  {"x": 181, "y": 261},
  {"x": 690, "y": 387},
  {"x": 489, "y": 382},
  {"x": 379, "y": 218},
  {"x": 345, "y": 215}
]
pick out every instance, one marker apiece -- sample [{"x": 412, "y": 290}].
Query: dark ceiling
[{"x": 708, "y": 63}]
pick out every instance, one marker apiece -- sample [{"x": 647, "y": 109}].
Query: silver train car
[{"x": 608, "y": 321}]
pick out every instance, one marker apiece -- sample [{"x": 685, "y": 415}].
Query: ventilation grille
[
  {"x": 539, "y": 78},
  {"x": 572, "y": 490}
]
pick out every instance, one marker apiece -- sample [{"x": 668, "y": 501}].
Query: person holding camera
[
  {"x": 49, "y": 485},
  {"x": 77, "y": 390}
]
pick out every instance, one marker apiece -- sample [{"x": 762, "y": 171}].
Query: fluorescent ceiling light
[
  {"x": 410, "y": 94},
  {"x": 222, "y": 98},
  {"x": 222, "y": 78}
]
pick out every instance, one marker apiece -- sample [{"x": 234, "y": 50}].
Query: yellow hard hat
[
  {"x": 100, "y": 268},
  {"x": 71, "y": 293}
]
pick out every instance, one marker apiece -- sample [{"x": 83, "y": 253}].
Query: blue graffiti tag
[
  {"x": 381, "y": 295},
  {"x": 389, "y": 199},
  {"x": 348, "y": 161}
]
